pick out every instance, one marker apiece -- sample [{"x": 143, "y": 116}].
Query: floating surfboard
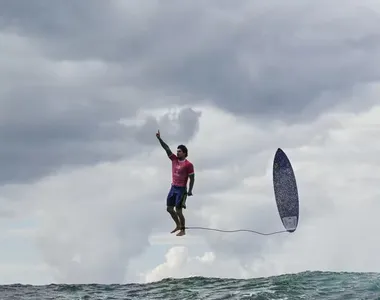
[{"x": 285, "y": 191}]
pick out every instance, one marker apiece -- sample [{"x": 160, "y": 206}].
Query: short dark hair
[{"x": 183, "y": 149}]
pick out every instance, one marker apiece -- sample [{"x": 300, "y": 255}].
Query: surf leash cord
[{"x": 235, "y": 230}]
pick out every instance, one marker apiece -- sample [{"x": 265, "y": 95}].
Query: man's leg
[
  {"x": 175, "y": 218},
  {"x": 170, "y": 203},
  {"x": 181, "y": 218},
  {"x": 181, "y": 204}
]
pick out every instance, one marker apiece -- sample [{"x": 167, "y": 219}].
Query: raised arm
[{"x": 163, "y": 144}]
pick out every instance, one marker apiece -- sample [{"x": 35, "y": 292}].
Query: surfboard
[{"x": 285, "y": 191}]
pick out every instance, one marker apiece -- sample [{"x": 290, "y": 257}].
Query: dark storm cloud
[
  {"x": 269, "y": 60},
  {"x": 45, "y": 126},
  {"x": 277, "y": 63},
  {"x": 258, "y": 59},
  {"x": 39, "y": 140},
  {"x": 35, "y": 140}
]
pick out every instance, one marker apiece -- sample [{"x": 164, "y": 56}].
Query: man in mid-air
[{"x": 182, "y": 170}]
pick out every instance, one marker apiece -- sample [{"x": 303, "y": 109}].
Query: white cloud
[
  {"x": 93, "y": 220},
  {"x": 179, "y": 264},
  {"x": 336, "y": 170},
  {"x": 25, "y": 273}
]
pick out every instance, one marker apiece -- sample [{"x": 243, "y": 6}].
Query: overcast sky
[{"x": 84, "y": 86}]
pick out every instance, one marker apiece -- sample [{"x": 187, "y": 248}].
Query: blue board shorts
[{"x": 177, "y": 196}]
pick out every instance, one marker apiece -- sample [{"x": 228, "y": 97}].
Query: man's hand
[
  {"x": 189, "y": 193},
  {"x": 158, "y": 135}
]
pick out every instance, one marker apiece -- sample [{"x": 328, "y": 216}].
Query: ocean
[{"x": 305, "y": 285}]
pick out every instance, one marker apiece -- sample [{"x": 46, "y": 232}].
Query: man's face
[{"x": 180, "y": 154}]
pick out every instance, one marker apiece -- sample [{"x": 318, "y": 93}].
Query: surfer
[{"x": 182, "y": 170}]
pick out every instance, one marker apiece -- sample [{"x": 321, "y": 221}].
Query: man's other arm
[{"x": 191, "y": 178}]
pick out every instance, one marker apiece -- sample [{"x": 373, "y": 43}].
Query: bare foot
[
  {"x": 175, "y": 229},
  {"x": 181, "y": 233}
]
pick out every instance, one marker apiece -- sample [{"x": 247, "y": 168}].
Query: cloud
[
  {"x": 338, "y": 193},
  {"x": 93, "y": 221},
  {"x": 70, "y": 76},
  {"x": 181, "y": 124},
  {"x": 49, "y": 120},
  {"x": 179, "y": 264},
  {"x": 15, "y": 273},
  {"x": 238, "y": 56},
  {"x": 88, "y": 229}
]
